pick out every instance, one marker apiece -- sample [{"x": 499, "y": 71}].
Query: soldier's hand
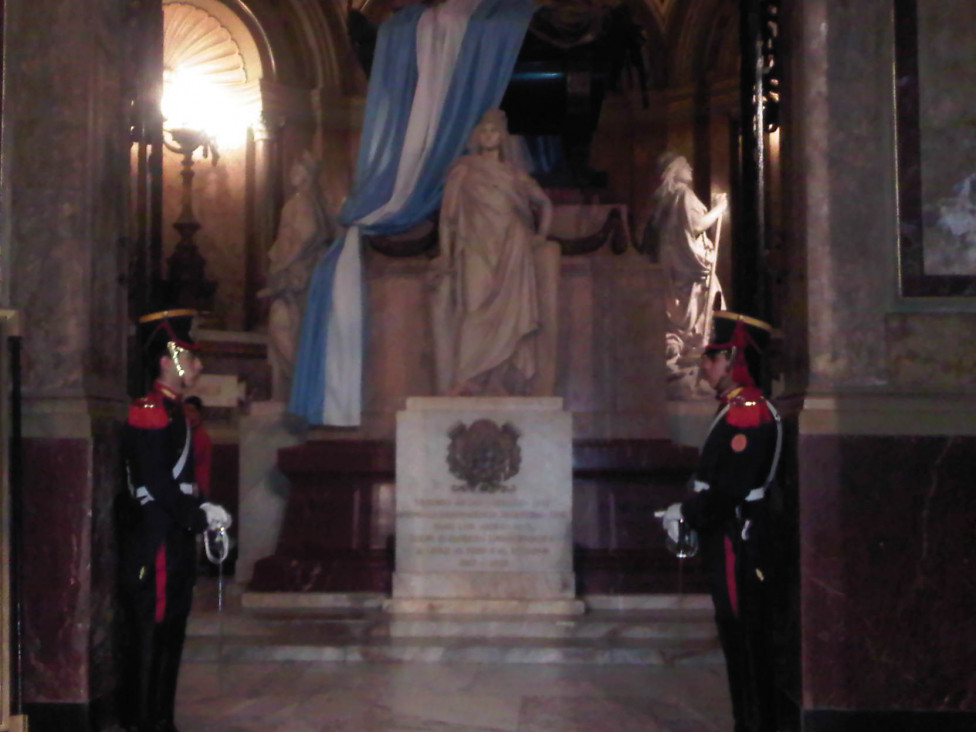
[
  {"x": 671, "y": 519},
  {"x": 217, "y": 516}
]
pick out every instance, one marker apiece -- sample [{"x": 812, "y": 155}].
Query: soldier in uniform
[
  {"x": 158, "y": 545},
  {"x": 729, "y": 510}
]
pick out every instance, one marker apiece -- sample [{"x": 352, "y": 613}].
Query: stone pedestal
[
  {"x": 263, "y": 488},
  {"x": 484, "y": 507}
]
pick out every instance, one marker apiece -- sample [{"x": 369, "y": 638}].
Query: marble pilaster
[{"x": 63, "y": 208}]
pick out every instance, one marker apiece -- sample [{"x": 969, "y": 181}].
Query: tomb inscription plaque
[{"x": 484, "y": 506}]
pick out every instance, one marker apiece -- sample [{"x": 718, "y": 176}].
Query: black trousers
[
  {"x": 741, "y": 617},
  {"x": 157, "y": 605}
]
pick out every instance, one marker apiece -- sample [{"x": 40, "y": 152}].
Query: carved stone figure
[
  {"x": 681, "y": 224},
  {"x": 495, "y": 278},
  {"x": 304, "y": 231}
]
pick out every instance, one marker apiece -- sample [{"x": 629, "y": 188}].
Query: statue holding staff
[{"x": 681, "y": 223}]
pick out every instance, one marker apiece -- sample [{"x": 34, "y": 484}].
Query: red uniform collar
[{"x": 747, "y": 406}]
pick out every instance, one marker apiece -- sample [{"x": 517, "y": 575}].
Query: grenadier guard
[
  {"x": 729, "y": 510},
  {"x": 158, "y": 545}
]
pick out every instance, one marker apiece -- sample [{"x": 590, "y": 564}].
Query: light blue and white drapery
[{"x": 435, "y": 72}]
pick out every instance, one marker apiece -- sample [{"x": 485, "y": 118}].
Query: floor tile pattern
[{"x": 244, "y": 672}]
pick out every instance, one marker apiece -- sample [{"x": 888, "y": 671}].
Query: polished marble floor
[{"x": 233, "y": 692}]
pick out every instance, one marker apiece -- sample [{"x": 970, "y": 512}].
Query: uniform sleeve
[
  {"x": 150, "y": 470},
  {"x": 202, "y": 458},
  {"x": 734, "y": 461}
]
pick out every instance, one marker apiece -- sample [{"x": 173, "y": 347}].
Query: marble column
[
  {"x": 65, "y": 167},
  {"x": 886, "y": 438}
]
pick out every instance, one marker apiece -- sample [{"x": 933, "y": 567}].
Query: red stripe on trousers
[
  {"x": 730, "y": 576},
  {"x": 161, "y": 583}
]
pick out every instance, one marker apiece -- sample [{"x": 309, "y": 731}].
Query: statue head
[
  {"x": 305, "y": 170},
  {"x": 672, "y": 169},
  {"x": 490, "y": 133}
]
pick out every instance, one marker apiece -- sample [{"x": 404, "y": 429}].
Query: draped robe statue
[
  {"x": 304, "y": 232},
  {"x": 496, "y": 276}
]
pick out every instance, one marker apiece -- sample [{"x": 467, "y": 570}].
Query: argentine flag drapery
[{"x": 435, "y": 72}]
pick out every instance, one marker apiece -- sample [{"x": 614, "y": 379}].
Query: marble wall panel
[
  {"x": 887, "y": 580},
  {"x": 576, "y": 355},
  {"x": 932, "y": 351},
  {"x": 107, "y": 483},
  {"x": 64, "y": 166},
  {"x": 610, "y": 348},
  {"x": 57, "y": 572},
  {"x": 400, "y": 350}
]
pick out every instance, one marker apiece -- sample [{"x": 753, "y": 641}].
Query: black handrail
[{"x": 16, "y": 527}]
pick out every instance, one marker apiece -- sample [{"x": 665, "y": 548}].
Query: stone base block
[
  {"x": 473, "y": 606},
  {"x": 484, "y": 506},
  {"x": 487, "y": 585}
]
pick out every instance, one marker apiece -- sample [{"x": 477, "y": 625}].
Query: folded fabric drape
[{"x": 435, "y": 71}]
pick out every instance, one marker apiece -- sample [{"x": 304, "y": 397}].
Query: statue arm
[
  {"x": 699, "y": 224},
  {"x": 542, "y": 204}
]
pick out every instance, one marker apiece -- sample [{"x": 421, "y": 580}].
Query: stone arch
[
  {"x": 704, "y": 42},
  {"x": 307, "y": 41}
]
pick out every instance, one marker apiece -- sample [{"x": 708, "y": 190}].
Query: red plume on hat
[{"x": 738, "y": 342}]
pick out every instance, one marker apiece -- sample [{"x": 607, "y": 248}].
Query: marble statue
[
  {"x": 495, "y": 278},
  {"x": 688, "y": 255},
  {"x": 304, "y": 232}
]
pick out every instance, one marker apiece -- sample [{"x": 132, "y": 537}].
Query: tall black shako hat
[
  {"x": 157, "y": 330},
  {"x": 746, "y": 338}
]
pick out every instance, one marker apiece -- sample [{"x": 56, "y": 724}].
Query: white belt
[
  {"x": 143, "y": 495},
  {"x": 756, "y": 494}
]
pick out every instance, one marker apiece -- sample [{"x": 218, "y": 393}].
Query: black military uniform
[
  {"x": 729, "y": 510},
  {"x": 158, "y": 544}
]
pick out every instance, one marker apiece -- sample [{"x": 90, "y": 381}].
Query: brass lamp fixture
[
  {"x": 188, "y": 284},
  {"x": 207, "y": 97}
]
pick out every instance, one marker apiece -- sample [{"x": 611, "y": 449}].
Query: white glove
[
  {"x": 217, "y": 516},
  {"x": 671, "y": 519}
]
